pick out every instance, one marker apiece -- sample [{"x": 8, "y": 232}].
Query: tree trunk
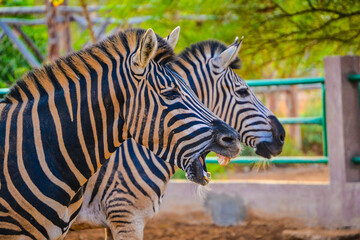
[
  {"x": 64, "y": 30},
  {"x": 88, "y": 20},
  {"x": 53, "y": 38}
]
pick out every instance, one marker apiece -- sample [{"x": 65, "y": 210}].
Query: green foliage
[
  {"x": 12, "y": 64},
  {"x": 312, "y": 141},
  {"x": 282, "y": 38},
  {"x": 13, "y": 3}
]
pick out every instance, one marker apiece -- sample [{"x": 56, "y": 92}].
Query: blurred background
[{"x": 283, "y": 39}]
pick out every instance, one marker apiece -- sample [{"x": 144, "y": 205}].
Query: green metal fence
[
  {"x": 319, "y": 120},
  {"x": 3, "y": 91}
]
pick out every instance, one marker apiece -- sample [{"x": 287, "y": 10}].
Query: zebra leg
[
  {"x": 108, "y": 234},
  {"x": 134, "y": 231}
]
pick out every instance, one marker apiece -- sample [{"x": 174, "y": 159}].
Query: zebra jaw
[{"x": 207, "y": 175}]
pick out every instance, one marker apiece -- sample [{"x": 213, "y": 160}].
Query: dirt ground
[{"x": 198, "y": 225}]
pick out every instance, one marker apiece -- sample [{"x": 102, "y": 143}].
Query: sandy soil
[{"x": 198, "y": 226}]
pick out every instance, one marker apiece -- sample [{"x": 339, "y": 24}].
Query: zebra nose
[
  {"x": 225, "y": 135},
  {"x": 277, "y": 130}
]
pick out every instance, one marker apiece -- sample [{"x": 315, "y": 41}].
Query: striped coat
[{"x": 61, "y": 122}]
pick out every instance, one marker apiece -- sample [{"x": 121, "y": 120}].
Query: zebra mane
[
  {"x": 208, "y": 49},
  {"x": 127, "y": 38}
]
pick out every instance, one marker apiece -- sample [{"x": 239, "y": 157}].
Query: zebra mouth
[
  {"x": 197, "y": 170},
  {"x": 266, "y": 150}
]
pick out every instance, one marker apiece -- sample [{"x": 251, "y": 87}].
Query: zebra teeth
[
  {"x": 207, "y": 176},
  {"x": 223, "y": 161}
]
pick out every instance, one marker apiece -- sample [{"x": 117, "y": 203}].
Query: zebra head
[
  {"x": 208, "y": 67},
  {"x": 164, "y": 115}
]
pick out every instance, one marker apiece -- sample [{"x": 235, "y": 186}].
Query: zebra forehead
[
  {"x": 208, "y": 49},
  {"x": 233, "y": 77}
]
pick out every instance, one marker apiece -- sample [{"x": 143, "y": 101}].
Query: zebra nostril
[
  {"x": 227, "y": 140},
  {"x": 282, "y": 138}
]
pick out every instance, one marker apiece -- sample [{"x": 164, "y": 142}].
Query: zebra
[
  {"x": 61, "y": 122},
  {"x": 123, "y": 199}
]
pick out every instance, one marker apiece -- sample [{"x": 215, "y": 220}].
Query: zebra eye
[
  {"x": 243, "y": 92},
  {"x": 171, "y": 94}
]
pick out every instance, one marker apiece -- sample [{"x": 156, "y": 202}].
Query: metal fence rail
[
  {"x": 277, "y": 160},
  {"x": 3, "y": 91},
  {"x": 284, "y": 81}
]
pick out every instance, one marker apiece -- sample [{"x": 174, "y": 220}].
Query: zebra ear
[
  {"x": 173, "y": 37},
  {"x": 147, "y": 49},
  {"x": 228, "y": 56}
]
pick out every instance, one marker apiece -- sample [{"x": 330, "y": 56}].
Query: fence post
[{"x": 343, "y": 118}]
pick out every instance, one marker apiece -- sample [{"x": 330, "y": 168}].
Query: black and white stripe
[{"x": 61, "y": 122}]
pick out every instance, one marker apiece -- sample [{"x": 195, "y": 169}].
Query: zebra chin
[{"x": 268, "y": 149}]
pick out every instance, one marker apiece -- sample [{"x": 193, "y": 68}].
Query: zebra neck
[
  {"x": 84, "y": 126},
  {"x": 199, "y": 79},
  {"x": 68, "y": 129}
]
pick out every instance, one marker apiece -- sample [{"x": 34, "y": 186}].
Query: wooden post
[
  {"x": 53, "y": 39},
  {"x": 343, "y": 118},
  {"x": 64, "y": 30},
  {"x": 293, "y": 108},
  {"x": 271, "y": 101},
  {"x": 88, "y": 20}
]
